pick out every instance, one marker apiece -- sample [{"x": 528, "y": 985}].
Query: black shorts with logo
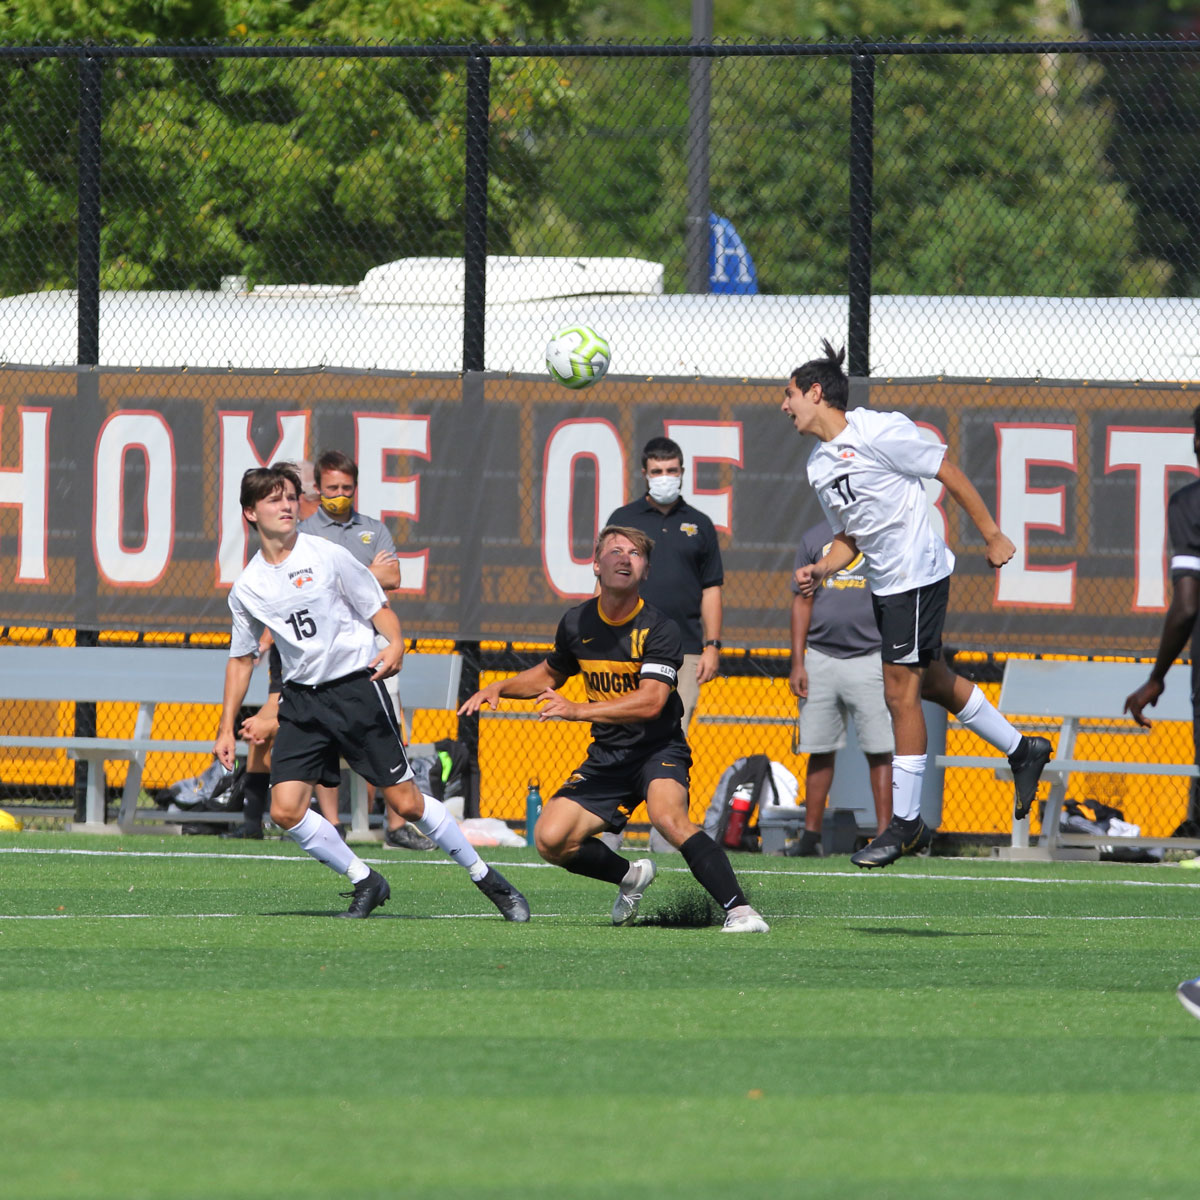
[
  {"x": 910, "y": 623},
  {"x": 613, "y": 785},
  {"x": 351, "y": 718}
]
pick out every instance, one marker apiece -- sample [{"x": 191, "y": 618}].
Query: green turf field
[{"x": 184, "y": 1020}]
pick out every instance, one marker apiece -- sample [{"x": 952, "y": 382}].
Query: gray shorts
[{"x": 841, "y": 687}]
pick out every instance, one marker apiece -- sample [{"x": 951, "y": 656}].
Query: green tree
[
  {"x": 282, "y": 170},
  {"x": 1156, "y": 98},
  {"x": 991, "y": 175}
]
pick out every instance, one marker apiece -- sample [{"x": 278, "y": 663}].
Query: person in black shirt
[
  {"x": 629, "y": 656},
  {"x": 1180, "y": 624},
  {"x": 688, "y": 573}
]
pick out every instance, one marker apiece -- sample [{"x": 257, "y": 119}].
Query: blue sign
[{"x": 730, "y": 268}]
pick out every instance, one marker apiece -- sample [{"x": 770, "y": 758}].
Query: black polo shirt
[
  {"x": 686, "y": 559},
  {"x": 1183, "y": 526}
]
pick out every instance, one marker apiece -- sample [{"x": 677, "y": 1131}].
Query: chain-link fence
[{"x": 216, "y": 256}]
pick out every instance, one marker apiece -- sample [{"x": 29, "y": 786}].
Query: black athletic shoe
[
  {"x": 512, "y": 905},
  {"x": 1027, "y": 761},
  {"x": 254, "y": 832},
  {"x": 408, "y": 837},
  {"x": 368, "y": 894},
  {"x": 809, "y": 846},
  {"x": 898, "y": 839}
]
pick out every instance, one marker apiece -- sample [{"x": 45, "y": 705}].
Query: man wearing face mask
[
  {"x": 685, "y": 583},
  {"x": 370, "y": 541}
]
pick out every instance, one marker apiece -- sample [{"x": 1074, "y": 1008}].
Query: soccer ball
[
  {"x": 577, "y": 356},
  {"x": 9, "y": 823}
]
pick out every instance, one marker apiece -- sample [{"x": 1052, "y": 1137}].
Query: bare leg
[
  {"x": 818, "y": 779},
  {"x": 880, "y": 769},
  {"x": 327, "y": 802}
]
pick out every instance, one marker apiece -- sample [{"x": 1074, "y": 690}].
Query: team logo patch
[
  {"x": 366, "y": 537},
  {"x": 690, "y": 528},
  {"x": 301, "y": 577},
  {"x": 846, "y": 454}
]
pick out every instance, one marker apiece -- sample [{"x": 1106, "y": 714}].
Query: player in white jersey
[
  {"x": 323, "y": 609},
  {"x": 868, "y": 471}
]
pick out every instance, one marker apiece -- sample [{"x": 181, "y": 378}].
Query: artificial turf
[{"x": 183, "y": 1019}]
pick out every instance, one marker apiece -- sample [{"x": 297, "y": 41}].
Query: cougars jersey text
[{"x": 613, "y": 659}]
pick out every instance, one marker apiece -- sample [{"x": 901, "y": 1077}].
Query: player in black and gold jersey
[{"x": 629, "y": 655}]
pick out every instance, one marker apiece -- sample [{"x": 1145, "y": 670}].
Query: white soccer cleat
[
  {"x": 744, "y": 919},
  {"x": 629, "y": 895}
]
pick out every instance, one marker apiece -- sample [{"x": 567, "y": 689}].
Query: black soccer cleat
[
  {"x": 369, "y": 894},
  {"x": 809, "y": 845},
  {"x": 250, "y": 832},
  {"x": 512, "y": 905},
  {"x": 898, "y": 839},
  {"x": 408, "y": 837},
  {"x": 1027, "y": 762}
]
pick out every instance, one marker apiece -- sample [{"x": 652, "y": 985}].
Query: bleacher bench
[
  {"x": 1062, "y": 695},
  {"x": 149, "y": 676}
]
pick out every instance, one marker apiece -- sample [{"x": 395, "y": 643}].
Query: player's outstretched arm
[
  {"x": 525, "y": 686},
  {"x": 1177, "y": 628},
  {"x": 237, "y": 681},
  {"x": 843, "y": 550},
  {"x": 998, "y": 548},
  {"x": 642, "y": 704}
]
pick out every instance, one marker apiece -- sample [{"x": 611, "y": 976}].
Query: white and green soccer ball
[{"x": 577, "y": 356}]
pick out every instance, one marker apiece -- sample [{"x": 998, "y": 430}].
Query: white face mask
[{"x": 664, "y": 489}]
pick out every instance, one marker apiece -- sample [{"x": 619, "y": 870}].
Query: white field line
[
  {"x": 862, "y": 876},
  {"x": 558, "y": 916},
  {"x": 232, "y": 916}
]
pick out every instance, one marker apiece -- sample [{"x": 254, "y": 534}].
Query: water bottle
[
  {"x": 739, "y": 814},
  {"x": 533, "y": 810}
]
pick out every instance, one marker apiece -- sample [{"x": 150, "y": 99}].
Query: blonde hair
[{"x": 641, "y": 541}]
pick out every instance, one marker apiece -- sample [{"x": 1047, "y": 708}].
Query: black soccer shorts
[
  {"x": 910, "y": 623},
  {"x": 612, "y": 785},
  {"x": 350, "y": 718}
]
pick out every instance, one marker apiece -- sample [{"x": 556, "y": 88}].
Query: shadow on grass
[
  {"x": 312, "y": 912},
  {"x": 382, "y": 916},
  {"x": 902, "y": 931}
]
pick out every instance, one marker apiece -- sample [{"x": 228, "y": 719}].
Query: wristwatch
[{"x": 713, "y": 642}]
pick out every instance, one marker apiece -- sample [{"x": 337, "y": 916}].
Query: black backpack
[
  {"x": 456, "y": 781},
  {"x": 752, "y": 773}
]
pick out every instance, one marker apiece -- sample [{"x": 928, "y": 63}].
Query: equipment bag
[{"x": 732, "y": 817}]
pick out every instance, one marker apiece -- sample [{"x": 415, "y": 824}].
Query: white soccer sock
[
  {"x": 980, "y": 717},
  {"x": 907, "y": 772},
  {"x": 437, "y": 823},
  {"x": 314, "y": 835}
]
